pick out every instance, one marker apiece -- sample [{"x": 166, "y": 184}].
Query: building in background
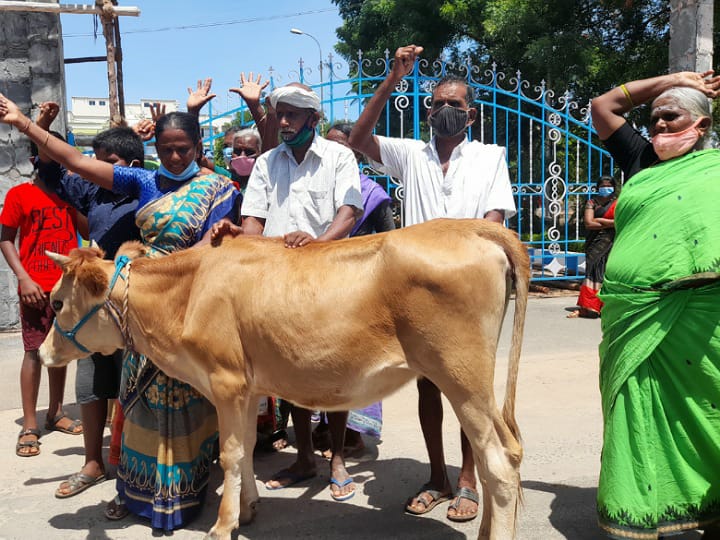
[{"x": 91, "y": 115}]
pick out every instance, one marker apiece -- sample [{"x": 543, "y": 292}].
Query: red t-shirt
[{"x": 45, "y": 223}]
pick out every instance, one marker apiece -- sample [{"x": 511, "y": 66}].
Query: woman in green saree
[{"x": 660, "y": 353}]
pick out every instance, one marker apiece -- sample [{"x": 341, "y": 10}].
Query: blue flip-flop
[
  {"x": 295, "y": 478},
  {"x": 341, "y": 485}
]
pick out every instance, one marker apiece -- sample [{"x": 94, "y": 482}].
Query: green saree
[{"x": 660, "y": 353}]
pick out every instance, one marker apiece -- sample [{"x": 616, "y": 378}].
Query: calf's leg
[
  {"x": 497, "y": 456},
  {"x": 248, "y": 490},
  {"x": 231, "y": 420}
]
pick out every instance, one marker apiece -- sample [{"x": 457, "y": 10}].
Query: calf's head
[{"x": 82, "y": 322}]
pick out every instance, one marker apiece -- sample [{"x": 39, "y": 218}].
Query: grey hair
[
  {"x": 694, "y": 102},
  {"x": 249, "y": 132}
]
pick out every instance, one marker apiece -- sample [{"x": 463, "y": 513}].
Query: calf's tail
[{"x": 520, "y": 263}]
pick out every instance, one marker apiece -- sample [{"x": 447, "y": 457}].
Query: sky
[{"x": 174, "y": 43}]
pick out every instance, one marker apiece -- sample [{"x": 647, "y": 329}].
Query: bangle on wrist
[
  {"x": 627, "y": 95},
  {"x": 27, "y": 126},
  {"x": 47, "y": 138}
]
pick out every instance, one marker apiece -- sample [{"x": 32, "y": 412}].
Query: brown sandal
[
  {"x": 33, "y": 445},
  {"x": 72, "y": 429},
  {"x": 116, "y": 509}
]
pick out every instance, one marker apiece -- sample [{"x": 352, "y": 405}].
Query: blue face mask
[
  {"x": 227, "y": 154},
  {"x": 187, "y": 174},
  {"x": 605, "y": 191}
]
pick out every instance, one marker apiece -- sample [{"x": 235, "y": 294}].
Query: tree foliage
[{"x": 583, "y": 46}]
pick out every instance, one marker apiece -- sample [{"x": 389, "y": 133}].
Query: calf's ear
[
  {"x": 60, "y": 260},
  {"x": 132, "y": 249},
  {"x": 93, "y": 278}
]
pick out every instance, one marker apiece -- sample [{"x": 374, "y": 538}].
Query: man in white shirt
[
  {"x": 447, "y": 177},
  {"x": 306, "y": 190}
]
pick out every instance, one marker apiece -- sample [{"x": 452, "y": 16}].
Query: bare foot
[{"x": 292, "y": 475}]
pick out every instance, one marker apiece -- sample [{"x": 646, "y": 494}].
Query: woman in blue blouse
[{"x": 170, "y": 429}]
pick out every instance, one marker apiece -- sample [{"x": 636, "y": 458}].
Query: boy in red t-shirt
[{"x": 45, "y": 223}]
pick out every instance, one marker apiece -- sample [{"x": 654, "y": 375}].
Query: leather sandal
[
  {"x": 52, "y": 425},
  {"x": 34, "y": 446}
]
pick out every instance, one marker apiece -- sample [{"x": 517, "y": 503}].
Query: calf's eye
[{"x": 56, "y": 305}]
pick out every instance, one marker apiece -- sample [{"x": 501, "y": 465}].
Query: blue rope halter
[{"x": 120, "y": 263}]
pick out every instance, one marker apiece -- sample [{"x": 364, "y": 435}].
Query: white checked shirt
[
  {"x": 305, "y": 196},
  {"x": 476, "y": 182}
]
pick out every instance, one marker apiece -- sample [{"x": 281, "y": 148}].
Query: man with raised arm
[{"x": 448, "y": 177}]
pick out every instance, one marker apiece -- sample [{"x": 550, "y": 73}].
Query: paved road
[{"x": 558, "y": 409}]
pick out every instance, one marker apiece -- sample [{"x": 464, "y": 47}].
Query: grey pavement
[{"x": 558, "y": 409}]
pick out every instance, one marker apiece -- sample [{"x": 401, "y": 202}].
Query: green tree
[{"x": 584, "y": 46}]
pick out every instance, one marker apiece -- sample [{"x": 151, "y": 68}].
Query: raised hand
[
  {"x": 200, "y": 96},
  {"x": 145, "y": 129},
  {"x": 250, "y": 89},
  {"x": 48, "y": 113},
  {"x": 405, "y": 60},
  {"x": 10, "y": 113},
  {"x": 156, "y": 111}
]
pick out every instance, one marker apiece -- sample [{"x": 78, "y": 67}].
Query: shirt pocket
[{"x": 318, "y": 209}]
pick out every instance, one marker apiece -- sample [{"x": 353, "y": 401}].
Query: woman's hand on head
[{"x": 706, "y": 82}]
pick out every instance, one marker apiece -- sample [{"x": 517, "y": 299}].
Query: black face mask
[{"x": 448, "y": 121}]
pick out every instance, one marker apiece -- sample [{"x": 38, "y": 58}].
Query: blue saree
[{"x": 170, "y": 428}]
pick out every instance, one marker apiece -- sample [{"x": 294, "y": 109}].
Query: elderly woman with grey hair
[
  {"x": 660, "y": 353},
  {"x": 246, "y": 147}
]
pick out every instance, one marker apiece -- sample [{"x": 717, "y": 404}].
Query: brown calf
[{"x": 330, "y": 326}]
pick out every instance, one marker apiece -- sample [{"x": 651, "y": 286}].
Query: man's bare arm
[{"x": 362, "y": 138}]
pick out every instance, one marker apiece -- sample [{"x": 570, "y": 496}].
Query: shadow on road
[{"x": 573, "y": 511}]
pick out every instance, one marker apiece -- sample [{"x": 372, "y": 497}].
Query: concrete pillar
[
  {"x": 691, "y": 35},
  {"x": 31, "y": 71}
]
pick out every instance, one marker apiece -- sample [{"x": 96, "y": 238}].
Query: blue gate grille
[{"x": 553, "y": 154}]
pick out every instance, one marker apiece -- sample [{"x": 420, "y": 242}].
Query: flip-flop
[
  {"x": 116, "y": 509},
  {"x": 464, "y": 493},
  {"x": 295, "y": 478},
  {"x": 345, "y": 497},
  {"x": 436, "y": 497},
  {"x": 78, "y": 483}
]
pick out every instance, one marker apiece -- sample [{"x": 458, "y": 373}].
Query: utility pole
[
  {"x": 691, "y": 35},
  {"x": 108, "y": 11}
]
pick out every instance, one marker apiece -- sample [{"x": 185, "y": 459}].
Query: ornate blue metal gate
[{"x": 553, "y": 154}]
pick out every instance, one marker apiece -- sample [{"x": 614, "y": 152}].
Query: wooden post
[
  {"x": 109, "y": 11},
  {"x": 108, "y": 26},
  {"x": 118, "y": 63}
]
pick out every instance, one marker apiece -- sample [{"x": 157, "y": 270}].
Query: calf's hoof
[{"x": 214, "y": 535}]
